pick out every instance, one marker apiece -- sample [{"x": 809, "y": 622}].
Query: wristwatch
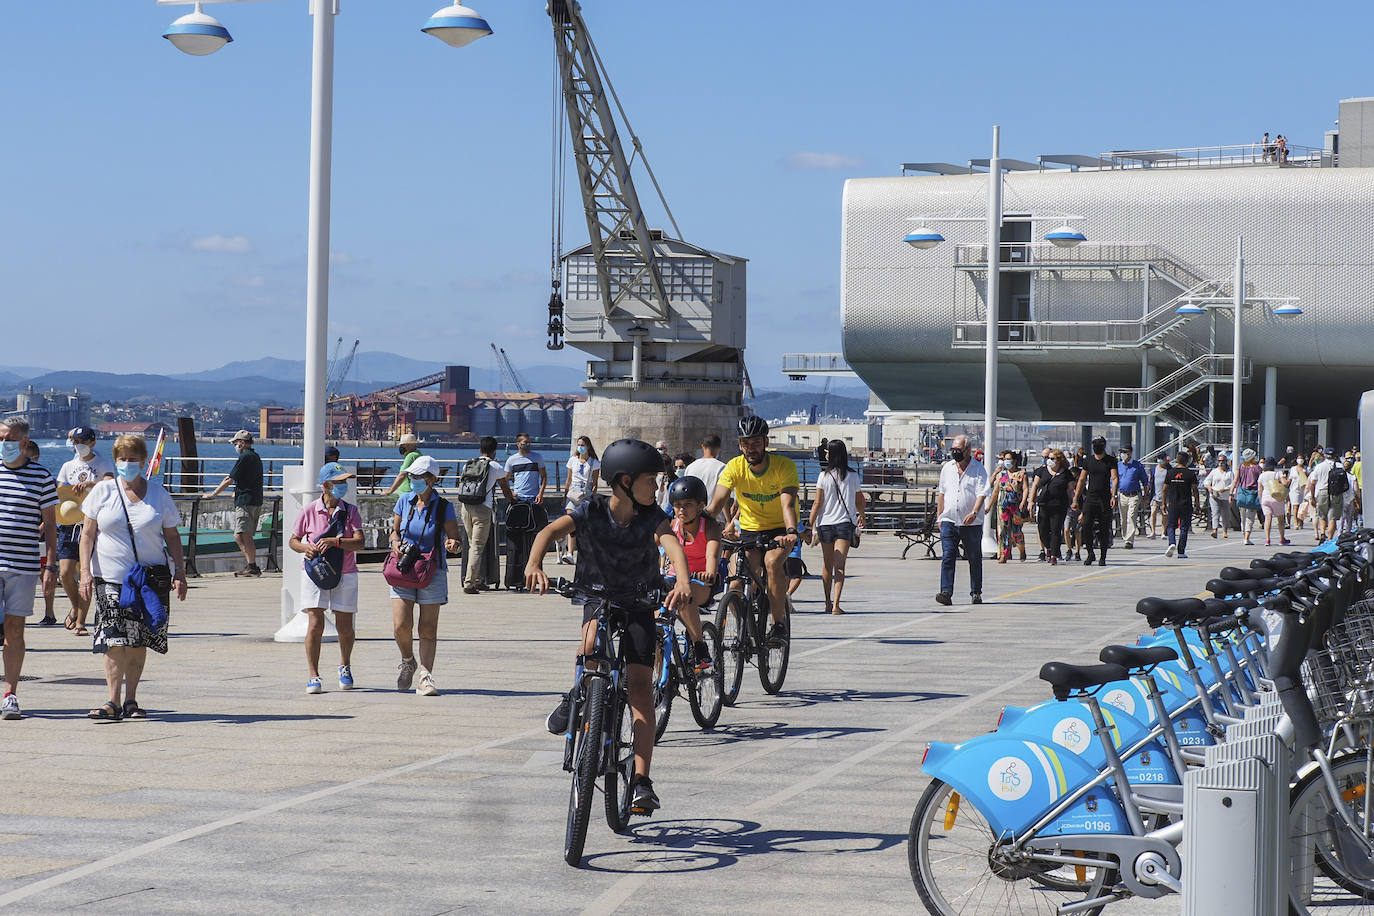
[
  {"x": 51, "y": 567},
  {"x": 791, "y": 530}
]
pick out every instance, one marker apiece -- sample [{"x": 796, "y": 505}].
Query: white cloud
[
  {"x": 223, "y": 244},
  {"x": 806, "y": 160}
]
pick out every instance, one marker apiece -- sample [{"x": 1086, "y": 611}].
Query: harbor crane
[
  {"x": 338, "y": 371},
  {"x": 510, "y": 379}
]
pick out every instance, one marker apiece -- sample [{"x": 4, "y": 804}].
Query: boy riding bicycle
[
  {"x": 618, "y": 538},
  {"x": 699, "y": 535}
]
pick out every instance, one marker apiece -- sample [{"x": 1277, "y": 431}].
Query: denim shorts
[
  {"x": 434, "y": 593},
  {"x": 68, "y": 542},
  {"x": 829, "y": 534}
]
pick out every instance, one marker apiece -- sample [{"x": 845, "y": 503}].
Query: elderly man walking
[
  {"x": 959, "y": 506},
  {"x": 1133, "y": 483},
  {"x": 28, "y": 504},
  {"x": 246, "y": 478}
]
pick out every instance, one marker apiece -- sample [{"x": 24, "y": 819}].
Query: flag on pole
[{"x": 155, "y": 463}]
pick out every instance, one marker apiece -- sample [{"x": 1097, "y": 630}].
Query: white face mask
[{"x": 83, "y": 450}]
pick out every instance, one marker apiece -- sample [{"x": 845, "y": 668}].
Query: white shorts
[{"x": 342, "y": 598}]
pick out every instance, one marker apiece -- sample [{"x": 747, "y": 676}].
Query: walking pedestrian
[
  {"x": 75, "y": 480},
  {"x": 837, "y": 517},
  {"x": 246, "y": 478},
  {"x": 1096, "y": 494},
  {"x": 409, "y": 448},
  {"x": 960, "y": 502},
  {"x": 331, "y": 528},
  {"x": 130, "y": 521},
  {"x": 1350, "y": 506},
  {"x": 1297, "y": 493},
  {"x": 708, "y": 467},
  {"x": 1158, "y": 479},
  {"x": 1030, "y": 505},
  {"x": 477, "y": 511},
  {"x": 1008, "y": 492},
  {"x": 1132, "y": 482},
  {"x": 584, "y": 469},
  {"x": 1326, "y": 490},
  {"x": 1245, "y": 491},
  {"x": 526, "y": 516},
  {"x": 28, "y": 515},
  {"x": 422, "y": 521},
  {"x": 1218, "y": 485},
  {"x": 1050, "y": 493},
  {"x": 1180, "y": 489},
  {"x": 1273, "y": 488}
]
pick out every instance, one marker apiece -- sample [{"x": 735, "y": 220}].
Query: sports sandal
[
  {"x": 106, "y": 713},
  {"x": 133, "y": 711}
]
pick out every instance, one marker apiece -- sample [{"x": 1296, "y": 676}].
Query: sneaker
[
  {"x": 1102, "y": 561},
  {"x": 1183, "y": 556},
  {"x": 977, "y": 599},
  {"x": 643, "y": 798},
  {"x": 245, "y": 572},
  {"x": 557, "y": 722},
  {"x": 944, "y": 598},
  {"x": 777, "y": 635},
  {"x": 471, "y": 590},
  {"x": 314, "y": 686},
  {"x": 48, "y": 622},
  {"x": 405, "y": 673},
  {"x": 9, "y": 709},
  {"x": 1170, "y": 550},
  {"x": 1128, "y": 545},
  {"x": 253, "y": 570},
  {"x": 426, "y": 687},
  {"x": 1054, "y": 561},
  {"x": 1092, "y": 558},
  {"x": 702, "y": 652},
  {"x": 345, "y": 677},
  {"x": 566, "y": 559}
]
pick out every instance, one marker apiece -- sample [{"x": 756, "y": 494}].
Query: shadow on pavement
[
  {"x": 754, "y": 731},
  {"x": 796, "y": 698},
  {"x": 703, "y": 845},
  {"x": 230, "y": 719}
]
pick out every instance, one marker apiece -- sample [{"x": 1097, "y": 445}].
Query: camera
[{"x": 410, "y": 552}]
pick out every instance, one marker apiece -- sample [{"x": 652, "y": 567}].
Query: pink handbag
[{"x": 421, "y": 572}]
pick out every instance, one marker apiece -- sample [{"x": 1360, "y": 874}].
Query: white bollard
[{"x": 298, "y": 491}]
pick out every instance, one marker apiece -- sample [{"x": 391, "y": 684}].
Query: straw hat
[
  {"x": 409, "y": 439},
  {"x": 69, "y": 513}
]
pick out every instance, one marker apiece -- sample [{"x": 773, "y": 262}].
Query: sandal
[
  {"x": 81, "y": 631},
  {"x": 133, "y": 711},
  {"x": 71, "y": 621},
  {"x": 106, "y": 713}
]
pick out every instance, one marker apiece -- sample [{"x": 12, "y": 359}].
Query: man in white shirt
[
  {"x": 1218, "y": 484},
  {"x": 708, "y": 468},
  {"x": 959, "y": 506},
  {"x": 1328, "y": 505},
  {"x": 76, "y": 479}
]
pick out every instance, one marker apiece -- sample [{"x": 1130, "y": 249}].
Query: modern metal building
[{"x": 1135, "y": 323}]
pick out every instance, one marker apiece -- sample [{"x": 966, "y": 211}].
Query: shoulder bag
[
  {"x": 839, "y": 494},
  {"x": 325, "y": 568},
  {"x": 143, "y": 586},
  {"x": 421, "y": 572}
]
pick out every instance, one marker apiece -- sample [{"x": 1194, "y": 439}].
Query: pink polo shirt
[{"x": 314, "y": 521}]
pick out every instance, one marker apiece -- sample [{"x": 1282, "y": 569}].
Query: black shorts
[
  {"x": 641, "y": 633},
  {"x": 764, "y": 535}
]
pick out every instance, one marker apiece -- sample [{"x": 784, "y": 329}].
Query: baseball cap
[
  {"x": 331, "y": 454},
  {"x": 242, "y": 435},
  {"x": 425, "y": 464},
  {"x": 81, "y": 433},
  {"x": 1329, "y": 452},
  {"x": 335, "y": 471}
]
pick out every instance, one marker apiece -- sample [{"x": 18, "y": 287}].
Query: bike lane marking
[{"x": 191, "y": 833}]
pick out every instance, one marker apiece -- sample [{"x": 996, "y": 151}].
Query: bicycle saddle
[
  {"x": 1233, "y": 572},
  {"x": 1224, "y": 587},
  {"x": 1064, "y": 677},
  {"x": 1170, "y": 610},
  {"x": 1134, "y": 657}
]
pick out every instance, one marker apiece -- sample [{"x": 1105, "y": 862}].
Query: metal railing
[
  {"x": 1172, "y": 388},
  {"x": 1112, "y": 255},
  {"x": 1223, "y": 156},
  {"x": 815, "y": 363}
]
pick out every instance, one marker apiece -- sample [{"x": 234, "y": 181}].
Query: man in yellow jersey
[{"x": 765, "y": 487}]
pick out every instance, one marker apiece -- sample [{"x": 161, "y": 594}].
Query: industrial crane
[
  {"x": 510, "y": 379},
  {"x": 338, "y": 371}
]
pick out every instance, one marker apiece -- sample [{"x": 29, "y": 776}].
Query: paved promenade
[{"x": 242, "y": 793}]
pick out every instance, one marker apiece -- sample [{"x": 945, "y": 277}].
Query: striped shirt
[{"x": 24, "y": 493}]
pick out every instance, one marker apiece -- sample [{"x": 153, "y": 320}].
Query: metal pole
[
  {"x": 994, "y": 308},
  {"x": 317, "y": 246},
  {"x": 1236, "y": 357}
]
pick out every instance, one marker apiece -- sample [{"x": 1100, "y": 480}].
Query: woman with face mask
[
  {"x": 331, "y": 527},
  {"x": 584, "y": 470},
  {"x": 1297, "y": 492},
  {"x": 75, "y": 481},
  {"x": 129, "y": 520},
  {"x": 1050, "y": 494},
  {"x": 1008, "y": 492}
]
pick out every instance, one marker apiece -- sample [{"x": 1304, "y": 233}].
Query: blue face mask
[
  {"x": 340, "y": 490},
  {"x": 129, "y": 470},
  {"x": 582, "y": 450},
  {"x": 419, "y": 484},
  {"x": 9, "y": 451}
]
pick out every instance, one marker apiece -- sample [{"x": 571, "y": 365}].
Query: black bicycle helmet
[
  {"x": 629, "y": 456},
  {"x": 751, "y": 426},
  {"x": 687, "y": 487}
]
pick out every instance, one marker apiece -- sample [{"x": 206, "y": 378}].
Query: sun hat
[
  {"x": 425, "y": 464},
  {"x": 1247, "y": 455},
  {"x": 69, "y": 513},
  {"x": 409, "y": 439},
  {"x": 242, "y": 435}
]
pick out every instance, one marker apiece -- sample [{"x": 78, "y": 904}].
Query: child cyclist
[
  {"x": 618, "y": 539},
  {"x": 699, "y": 535}
]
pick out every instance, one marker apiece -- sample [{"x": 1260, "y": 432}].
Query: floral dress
[{"x": 1010, "y": 486}]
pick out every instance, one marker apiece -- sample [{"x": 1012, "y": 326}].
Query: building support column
[
  {"x": 1270, "y": 418},
  {"x": 1147, "y": 422}
]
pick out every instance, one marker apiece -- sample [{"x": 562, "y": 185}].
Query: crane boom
[
  {"x": 338, "y": 371},
  {"x": 510, "y": 378},
  {"x": 627, "y": 264}
]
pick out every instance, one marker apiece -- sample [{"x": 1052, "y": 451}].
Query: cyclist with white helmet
[{"x": 765, "y": 486}]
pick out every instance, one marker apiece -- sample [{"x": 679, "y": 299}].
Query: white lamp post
[
  {"x": 925, "y": 238},
  {"x": 200, "y": 34}
]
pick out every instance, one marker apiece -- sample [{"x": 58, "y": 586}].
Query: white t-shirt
[
  {"x": 1219, "y": 483},
  {"x": 1264, "y": 481},
  {"x": 838, "y": 498},
  {"x": 77, "y": 471},
  {"x": 1319, "y": 477},
  {"x": 708, "y": 471},
  {"x": 580, "y": 476},
  {"x": 114, "y": 556}
]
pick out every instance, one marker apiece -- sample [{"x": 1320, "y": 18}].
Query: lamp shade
[
  {"x": 924, "y": 237},
  {"x": 457, "y": 26},
  {"x": 197, "y": 34},
  {"x": 1289, "y": 310},
  {"x": 1065, "y": 236},
  {"x": 1189, "y": 308}
]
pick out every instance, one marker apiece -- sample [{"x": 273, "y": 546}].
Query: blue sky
[{"x": 154, "y": 213}]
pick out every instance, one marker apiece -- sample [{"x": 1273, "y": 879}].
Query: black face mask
[{"x": 957, "y": 454}]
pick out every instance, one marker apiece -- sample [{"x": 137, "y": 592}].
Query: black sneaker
[
  {"x": 777, "y": 635},
  {"x": 557, "y": 722},
  {"x": 48, "y": 622},
  {"x": 944, "y": 598},
  {"x": 1102, "y": 561},
  {"x": 643, "y": 799},
  {"x": 977, "y": 599},
  {"x": 702, "y": 656}
]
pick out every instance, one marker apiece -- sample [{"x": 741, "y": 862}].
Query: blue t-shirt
[
  {"x": 796, "y": 548},
  {"x": 424, "y": 525},
  {"x": 523, "y": 473}
]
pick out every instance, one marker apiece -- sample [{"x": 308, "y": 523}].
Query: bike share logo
[
  {"x": 1009, "y": 779},
  {"x": 1073, "y": 734},
  {"x": 1121, "y": 699}
]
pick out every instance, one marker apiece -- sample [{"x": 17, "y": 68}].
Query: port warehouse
[{"x": 453, "y": 411}]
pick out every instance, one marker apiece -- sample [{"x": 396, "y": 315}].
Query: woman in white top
[
  {"x": 1297, "y": 493},
  {"x": 1273, "y": 490},
  {"x": 837, "y": 515},
  {"x": 129, "y": 521},
  {"x": 74, "y": 481},
  {"x": 584, "y": 470},
  {"x": 1218, "y": 484}
]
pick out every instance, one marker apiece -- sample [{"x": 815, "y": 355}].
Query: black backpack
[
  {"x": 472, "y": 482},
  {"x": 1337, "y": 481}
]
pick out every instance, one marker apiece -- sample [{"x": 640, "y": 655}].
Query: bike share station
[{"x": 1224, "y": 757}]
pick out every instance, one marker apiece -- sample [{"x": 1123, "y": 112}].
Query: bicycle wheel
[
  {"x": 734, "y": 644},
  {"x": 956, "y": 861},
  {"x": 706, "y": 689},
  {"x": 1329, "y": 870},
  {"x": 773, "y": 659},
  {"x": 621, "y": 771},
  {"x": 587, "y": 766}
]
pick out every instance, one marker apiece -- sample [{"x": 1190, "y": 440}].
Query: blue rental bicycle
[{"x": 678, "y": 668}]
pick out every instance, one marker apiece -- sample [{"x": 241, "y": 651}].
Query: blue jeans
[{"x": 971, "y": 536}]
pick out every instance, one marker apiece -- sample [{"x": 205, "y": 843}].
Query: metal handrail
[
  {"x": 1176, "y": 385},
  {"x": 1114, "y": 254},
  {"x": 1232, "y": 154}
]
